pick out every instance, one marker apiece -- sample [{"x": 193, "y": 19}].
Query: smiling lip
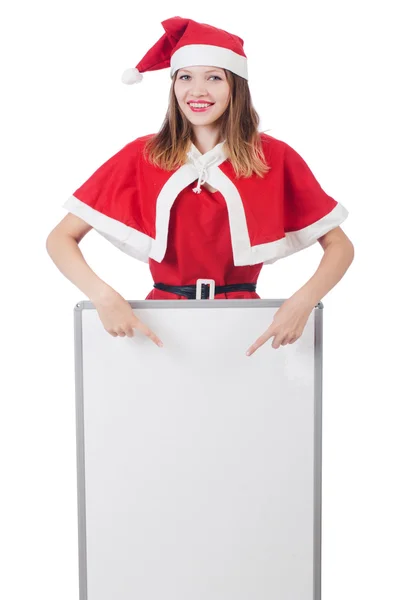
[{"x": 194, "y": 109}]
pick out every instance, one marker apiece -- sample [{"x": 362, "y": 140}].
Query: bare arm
[
  {"x": 114, "y": 311},
  {"x": 62, "y": 245},
  {"x": 337, "y": 258}
]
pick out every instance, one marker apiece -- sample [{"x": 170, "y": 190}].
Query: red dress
[
  {"x": 170, "y": 219},
  {"x": 211, "y": 235}
]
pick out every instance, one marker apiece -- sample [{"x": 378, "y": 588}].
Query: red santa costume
[{"x": 171, "y": 221}]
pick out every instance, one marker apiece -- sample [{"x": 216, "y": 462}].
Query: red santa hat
[{"x": 188, "y": 43}]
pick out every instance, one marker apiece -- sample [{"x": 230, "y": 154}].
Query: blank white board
[{"x": 199, "y": 468}]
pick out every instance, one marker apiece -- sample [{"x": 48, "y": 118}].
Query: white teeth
[{"x": 196, "y": 105}]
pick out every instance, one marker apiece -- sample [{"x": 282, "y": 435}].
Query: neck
[{"x": 205, "y": 138}]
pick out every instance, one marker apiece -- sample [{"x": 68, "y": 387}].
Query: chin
[{"x": 201, "y": 121}]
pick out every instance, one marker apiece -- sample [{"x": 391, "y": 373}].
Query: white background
[{"x": 321, "y": 78}]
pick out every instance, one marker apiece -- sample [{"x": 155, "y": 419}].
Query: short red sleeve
[
  {"x": 109, "y": 201},
  {"x": 309, "y": 212}
]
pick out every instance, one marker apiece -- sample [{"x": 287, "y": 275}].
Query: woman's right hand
[{"x": 118, "y": 317}]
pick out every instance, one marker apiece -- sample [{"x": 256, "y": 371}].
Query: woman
[{"x": 207, "y": 197}]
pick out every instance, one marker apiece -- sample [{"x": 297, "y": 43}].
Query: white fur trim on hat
[{"x": 204, "y": 54}]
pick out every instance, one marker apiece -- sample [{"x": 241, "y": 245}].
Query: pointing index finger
[
  {"x": 261, "y": 340},
  {"x": 267, "y": 335},
  {"x": 148, "y": 332}
]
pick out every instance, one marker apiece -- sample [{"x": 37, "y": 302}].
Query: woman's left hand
[{"x": 288, "y": 324}]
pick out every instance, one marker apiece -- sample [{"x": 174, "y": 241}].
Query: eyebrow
[{"x": 210, "y": 71}]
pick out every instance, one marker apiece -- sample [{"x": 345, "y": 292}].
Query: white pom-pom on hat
[{"x": 131, "y": 76}]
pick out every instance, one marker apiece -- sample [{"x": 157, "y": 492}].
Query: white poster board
[{"x": 199, "y": 468}]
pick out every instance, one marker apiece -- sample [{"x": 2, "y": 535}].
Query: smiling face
[{"x": 202, "y": 85}]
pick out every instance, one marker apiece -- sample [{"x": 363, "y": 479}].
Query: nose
[
  {"x": 198, "y": 89},
  {"x": 198, "y": 93}
]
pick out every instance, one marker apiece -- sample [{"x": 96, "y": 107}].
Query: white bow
[{"x": 202, "y": 170}]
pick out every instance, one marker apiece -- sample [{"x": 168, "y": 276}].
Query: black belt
[{"x": 190, "y": 291}]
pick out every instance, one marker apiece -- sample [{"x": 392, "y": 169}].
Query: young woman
[{"x": 207, "y": 197}]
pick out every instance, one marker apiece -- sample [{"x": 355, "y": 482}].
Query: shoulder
[
  {"x": 279, "y": 149},
  {"x": 131, "y": 152},
  {"x": 273, "y": 148},
  {"x": 269, "y": 141},
  {"x": 136, "y": 145}
]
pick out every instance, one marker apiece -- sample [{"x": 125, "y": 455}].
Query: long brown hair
[{"x": 238, "y": 126}]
